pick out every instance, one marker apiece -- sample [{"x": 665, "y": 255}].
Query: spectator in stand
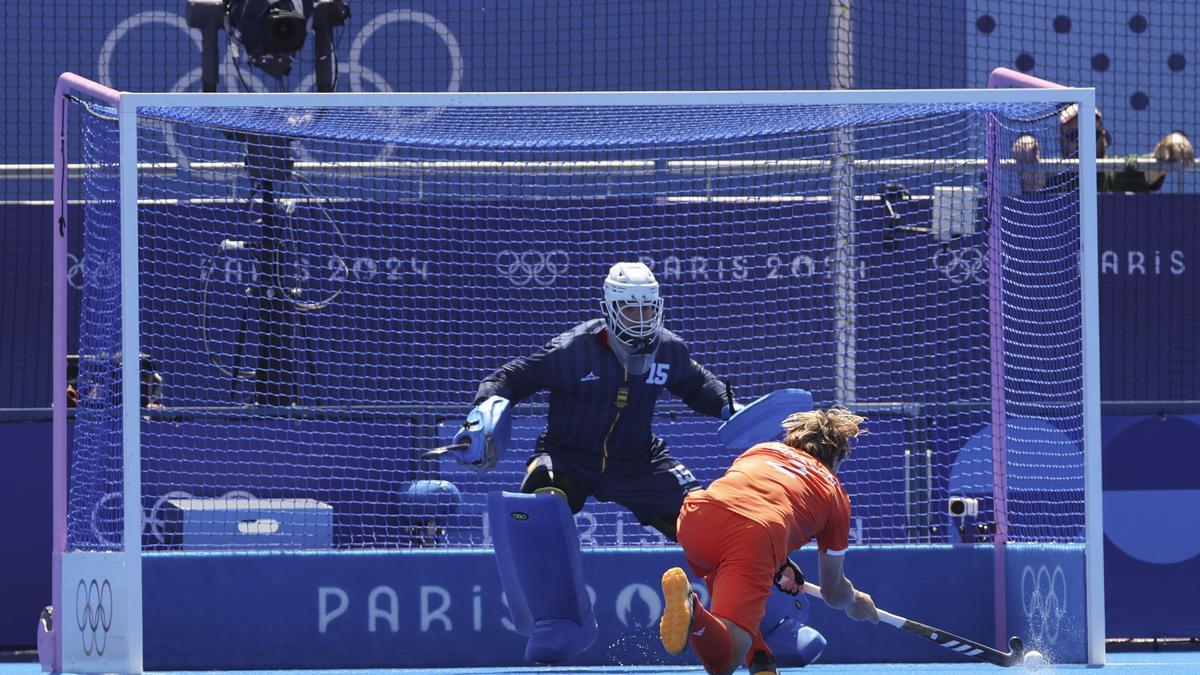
[{"x": 1174, "y": 147}]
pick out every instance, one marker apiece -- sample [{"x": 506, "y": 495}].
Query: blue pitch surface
[{"x": 1140, "y": 663}]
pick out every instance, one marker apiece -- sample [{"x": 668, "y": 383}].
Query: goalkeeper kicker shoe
[{"x": 676, "y": 621}]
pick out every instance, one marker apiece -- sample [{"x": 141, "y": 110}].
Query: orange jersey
[{"x": 790, "y": 493}]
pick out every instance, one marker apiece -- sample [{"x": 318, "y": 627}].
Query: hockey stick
[
  {"x": 443, "y": 449},
  {"x": 955, "y": 643}
]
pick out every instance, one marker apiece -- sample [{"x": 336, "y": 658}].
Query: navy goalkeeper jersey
[{"x": 597, "y": 407}]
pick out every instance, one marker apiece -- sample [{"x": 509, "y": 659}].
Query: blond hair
[{"x": 824, "y": 434}]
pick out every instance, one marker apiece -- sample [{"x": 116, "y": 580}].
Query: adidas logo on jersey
[{"x": 590, "y": 377}]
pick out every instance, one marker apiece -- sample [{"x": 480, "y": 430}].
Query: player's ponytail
[{"x": 824, "y": 434}]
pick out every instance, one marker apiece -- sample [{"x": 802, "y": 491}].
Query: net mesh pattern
[
  {"x": 95, "y": 496},
  {"x": 321, "y": 291}
]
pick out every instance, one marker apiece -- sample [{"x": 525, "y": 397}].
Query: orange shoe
[{"x": 676, "y": 621}]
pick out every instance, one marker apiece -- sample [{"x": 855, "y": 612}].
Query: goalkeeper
[
  {"x": 737, "y": 535},
  {"x": 604, "y": 377}
]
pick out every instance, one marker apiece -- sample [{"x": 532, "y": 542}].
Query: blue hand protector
[
  {"x": 760, "y": 421},
  {"x": 486, "y": 433}
]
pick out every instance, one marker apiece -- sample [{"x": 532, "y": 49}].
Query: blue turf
[{"x": 1142, "y": 663}]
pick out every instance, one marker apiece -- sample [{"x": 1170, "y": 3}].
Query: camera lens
[
  {"x": 957, "y": 507},
  {"x": 285, "y": 31}
]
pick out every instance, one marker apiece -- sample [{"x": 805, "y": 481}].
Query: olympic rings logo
[
  {"x": 1044, "y": 601},
  {"x": 960, "y": 266},
  {"x": 542, "y": 268},
  {"x": 76, "y": 267},
  {"x": 357, "y": 74},
  {"x": 93, "y": 614},
  {"x": 354, "y": 68},
  {"x": 82, "y": 268}
]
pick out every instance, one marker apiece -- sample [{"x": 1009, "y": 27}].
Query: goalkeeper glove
[
  {"x": 487, "y": 431},
  {"x": 727, "y": 411},
  {"x": 731, "y": 406}
]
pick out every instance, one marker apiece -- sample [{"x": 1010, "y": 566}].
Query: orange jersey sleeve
[{"x": 790, "y": 493}]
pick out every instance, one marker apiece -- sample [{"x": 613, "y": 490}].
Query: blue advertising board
[
  {"x": 1149, "y": 297},
  {"x": 1151, "y": 490},
  {"x": 423, "y": 609},
  {"x": 25, "y": 508}
]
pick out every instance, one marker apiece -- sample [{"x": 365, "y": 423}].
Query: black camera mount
[{"x": 271, "y": 31}]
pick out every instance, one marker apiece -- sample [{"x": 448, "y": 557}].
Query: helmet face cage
[
  {"x": 633, "y": 307},
  {"x": 636, "y": 323}
]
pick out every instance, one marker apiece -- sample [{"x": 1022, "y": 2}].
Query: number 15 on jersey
[{"x": 658, "y": 373}]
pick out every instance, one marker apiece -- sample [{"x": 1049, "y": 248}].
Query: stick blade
[
  {"x": 1017, "y": 649},
  {"x": 443, "y": 449},
  {"x": 967, "y": 647}
]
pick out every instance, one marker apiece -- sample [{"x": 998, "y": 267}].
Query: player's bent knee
[
  {"x": 542, "y": 478},
  {"x": 551, "y": 490}
]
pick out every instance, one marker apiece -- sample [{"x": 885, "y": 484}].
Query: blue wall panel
[
  {"x": 25, "y": 505},
  {"x": 1151, "y": 548},
  {"x": 1149, "y": 333}
]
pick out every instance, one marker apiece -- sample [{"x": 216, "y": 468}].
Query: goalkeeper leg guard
[
  {"x": 794, "y": 644},
  {"x": 537, "y": 552},
  {"x": 791, "y": 642}
]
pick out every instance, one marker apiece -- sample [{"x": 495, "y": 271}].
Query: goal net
[{"x": 320, "y": 285}]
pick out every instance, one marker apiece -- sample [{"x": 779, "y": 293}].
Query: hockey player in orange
[{"x": 737, "y": 535}]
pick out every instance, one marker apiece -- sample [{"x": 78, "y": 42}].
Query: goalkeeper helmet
[{"x": 633, "y": 307}]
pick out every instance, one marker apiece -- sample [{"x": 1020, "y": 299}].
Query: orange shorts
[{"x": 734, "y": 556}]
